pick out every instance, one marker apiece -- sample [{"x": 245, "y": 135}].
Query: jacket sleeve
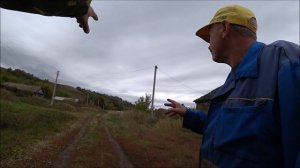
[
  {"x": 289, "y": 104},
  {"x": 66, "y": 8},
  {"x": 194, "y": 120}
]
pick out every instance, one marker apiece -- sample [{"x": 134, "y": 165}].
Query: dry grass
[{"x": 158, "y": 143}]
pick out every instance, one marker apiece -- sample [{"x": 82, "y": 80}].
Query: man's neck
[{"x": 238, "y": 49}]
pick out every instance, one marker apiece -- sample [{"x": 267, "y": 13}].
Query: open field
[
  {"x": 154, "y": 143},
  {"x": 35, "y": 134}
]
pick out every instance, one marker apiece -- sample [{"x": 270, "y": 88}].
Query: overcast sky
[{"x": 119, "y": 54}]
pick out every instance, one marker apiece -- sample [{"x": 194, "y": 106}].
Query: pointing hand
[
  {"x": 176, "y": 108},
  {"x": 83, "y": 20}
]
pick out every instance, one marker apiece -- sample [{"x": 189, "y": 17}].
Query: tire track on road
[
  {"x": 64, "y": 157},
  {"x": 124, "y": 161}
]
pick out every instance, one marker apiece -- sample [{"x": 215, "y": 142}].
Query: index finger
[
  {"x": 85, "y": 26},
  {"x": 168, "y": 104},
  {"x": 95, "y": 17},
  {"x": 172, "y": 101}
]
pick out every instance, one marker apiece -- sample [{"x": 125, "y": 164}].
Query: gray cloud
[{"x": 119, "y": 54}]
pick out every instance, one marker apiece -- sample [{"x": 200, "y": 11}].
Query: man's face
[{"x": 216, "y": 46}]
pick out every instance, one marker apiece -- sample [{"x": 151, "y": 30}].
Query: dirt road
[
  {"x": 117, "y": 140},
  {"x": 90, "y": 144}
]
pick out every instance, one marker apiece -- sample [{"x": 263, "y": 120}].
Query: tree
[
  {"x": 47, "y": 92},
  {"x": 143, "y": 103}
]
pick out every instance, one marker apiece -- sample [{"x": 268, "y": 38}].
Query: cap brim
[{"x": 204, "y": 33}]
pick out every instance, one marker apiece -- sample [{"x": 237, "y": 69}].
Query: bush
[
  {"x": 142, "y": 104},
  {"x": 47, "y": 92}
]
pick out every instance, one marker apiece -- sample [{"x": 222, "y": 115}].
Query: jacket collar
[
  {"x": 248, "y": 65},
  {"x": 246, "y": 68}
]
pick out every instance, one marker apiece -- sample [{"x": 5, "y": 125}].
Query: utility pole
[
  {"x": 153, "y": 91},
  {"x": 53, "y": 95},
  {"x": 87, "y": 99}
]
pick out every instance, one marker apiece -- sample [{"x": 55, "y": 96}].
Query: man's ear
[{"x": 225, "y": 28}]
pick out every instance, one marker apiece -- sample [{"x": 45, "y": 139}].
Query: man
[
  {"x": 254, "y": 118},
  {"x": 80, "y": 9}
]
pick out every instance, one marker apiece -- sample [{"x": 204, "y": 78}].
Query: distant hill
[{"x": 85, "y": 96}]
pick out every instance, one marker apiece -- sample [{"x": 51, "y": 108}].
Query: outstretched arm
[{"x": 80, "y": 9}]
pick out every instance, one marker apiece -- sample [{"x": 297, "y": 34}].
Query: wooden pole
[
  {"x": 153, "y": 91},
  {"x": 54, "y": 90}
]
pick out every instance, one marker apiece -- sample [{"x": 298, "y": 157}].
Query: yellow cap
[{"x": 233, "y": 14}]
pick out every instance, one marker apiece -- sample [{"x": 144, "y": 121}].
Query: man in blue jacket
[{"x": 254, "y": 118}]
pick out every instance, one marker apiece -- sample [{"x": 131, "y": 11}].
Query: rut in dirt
[
  {"x": 64, "y": 157},
  {"x": 124, "y": 161}
]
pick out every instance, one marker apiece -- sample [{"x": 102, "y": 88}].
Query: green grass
[
  {"x": 94, "y": 149},
  {"x": 91, "y": 135},
  {"x": 23, "y": 125}
]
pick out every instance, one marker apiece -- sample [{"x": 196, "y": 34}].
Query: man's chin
[
  {"x": 215, "y": 59},
  {"x": 218, "y": 60}
]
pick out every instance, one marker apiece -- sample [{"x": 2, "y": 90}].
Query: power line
[
  {"x": 178, "y": 81},
  {"x": 123, "y": 74},
  {"x": 136, "y": 70}
]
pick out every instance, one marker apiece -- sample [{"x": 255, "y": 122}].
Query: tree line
[{"x": 86, "y": 96}]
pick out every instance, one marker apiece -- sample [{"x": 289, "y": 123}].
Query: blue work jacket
[{"x": 254, "y": 118}]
